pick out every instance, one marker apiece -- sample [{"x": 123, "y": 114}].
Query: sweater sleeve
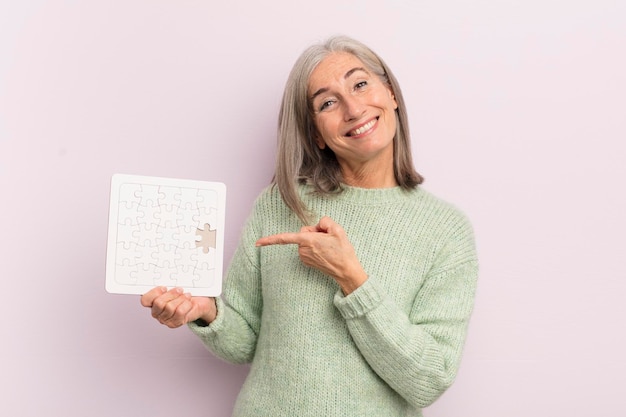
[
  {"x": 233, "y": 334},
  {"x": 418, "y": 353}
]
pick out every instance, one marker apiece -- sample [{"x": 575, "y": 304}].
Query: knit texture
[{"x": 390, "y": 348}]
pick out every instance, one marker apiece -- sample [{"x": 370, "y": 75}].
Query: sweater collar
[{"x": 373, "y": 196}]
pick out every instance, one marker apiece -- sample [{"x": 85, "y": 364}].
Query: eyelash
[{"x": 327, "y": 103}]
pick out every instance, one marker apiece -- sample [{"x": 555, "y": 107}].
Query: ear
[
  {"x": 392, "y": 96},
  {"x": 316, "y": 137},
  {"x": 319, "y": 142}
]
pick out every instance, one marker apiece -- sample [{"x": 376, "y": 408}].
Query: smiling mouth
[{"x": 367, "y": 126}]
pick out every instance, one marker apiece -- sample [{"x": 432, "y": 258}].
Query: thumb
[{"x": 328, "y": 225}]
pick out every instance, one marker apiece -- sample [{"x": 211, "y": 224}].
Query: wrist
[
  {"x": 349, "y": 285},
  {"x": 207, "y": 318}
]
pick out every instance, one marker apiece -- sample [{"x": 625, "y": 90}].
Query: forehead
[{"x": 332, "y": 69}]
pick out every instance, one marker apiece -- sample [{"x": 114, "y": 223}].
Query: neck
[{"x": 369, "y": 176}]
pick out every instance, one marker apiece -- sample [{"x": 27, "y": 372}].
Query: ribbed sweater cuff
[{"x": 360, "y": 302}]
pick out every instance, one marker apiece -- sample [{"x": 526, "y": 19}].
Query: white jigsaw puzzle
[{"x": 165, "y": 232}]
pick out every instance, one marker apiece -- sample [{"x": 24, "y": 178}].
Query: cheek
[
  {"x": 326, "y": 128},
  {"x": 393, "y": 123},
  {"x": 389, "y": 103},
  {"x": 320, "y": 134}
]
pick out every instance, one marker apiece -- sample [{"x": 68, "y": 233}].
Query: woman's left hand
[{"x": 326, "y": 247}]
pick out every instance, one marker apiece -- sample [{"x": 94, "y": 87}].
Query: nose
[{"x": 353, "y": 108}]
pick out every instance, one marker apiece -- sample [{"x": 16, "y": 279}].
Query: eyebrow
[{"x": 345, "y": 77}]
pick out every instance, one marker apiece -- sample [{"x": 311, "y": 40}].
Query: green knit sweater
[{"x": 390, "y": 348}]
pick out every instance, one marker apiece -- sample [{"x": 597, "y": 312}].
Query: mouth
[{"x": 362, "y": 129}]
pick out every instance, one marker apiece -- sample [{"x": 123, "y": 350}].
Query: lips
[{"x": 362, "y": 129}]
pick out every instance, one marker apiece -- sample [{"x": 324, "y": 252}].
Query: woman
[{"x": 364, "y": 313}]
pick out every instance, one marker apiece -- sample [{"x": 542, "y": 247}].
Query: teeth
[{"x": 363, "y": 128}]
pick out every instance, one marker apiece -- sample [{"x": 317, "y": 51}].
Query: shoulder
[
  {"x": 450, "y": 229},
  {"x": 438, "y": 209},
  {"x": 268, "y": 196},
  {"x": 445, "y": 222},
  {"x": 270, "y": 213}
]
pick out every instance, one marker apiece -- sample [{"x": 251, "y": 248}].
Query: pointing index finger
[{"x": 280, "y": 239}]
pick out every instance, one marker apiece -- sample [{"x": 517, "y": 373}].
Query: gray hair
[{"x": 299, "y": 160}]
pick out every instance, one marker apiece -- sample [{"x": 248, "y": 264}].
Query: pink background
[{"x": 518, "y": 116}]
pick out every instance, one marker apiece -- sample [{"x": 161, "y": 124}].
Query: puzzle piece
[
  {"x": 170, "y": 197},
  {"x": 185, "y": 276},
  {"x": 204, "y": 261},
  {"x": 147, "y": 234},
  {"x": 126, "y": 233},
  {"x": 124, "y": 272},
  {"x": 149, "y": 213},
  {"x": 165, "y": 256},
  {"x": 208, "y": 198},
  {"x": 186, "y": 253},
  {"x": 166, "y": 272},
  {"x": 126, "y": 251},
  {"x": 148, "y": 195},
  {"x": 188, "y": 198},
  {"x": 147, "y": 277},
  {"x": 168, "y": 217},
  {"x": 169, "y": 237},
  {"x": 128, "y": 193},
  {"x": 128, "y": 211},
  {"x": 206, "y": 278},
  {"x": 147, "y": 256},
  {"x": 206, "y": 215},
  {"x": 207, "y": 238},
  {"x": 188, "y": 216}
]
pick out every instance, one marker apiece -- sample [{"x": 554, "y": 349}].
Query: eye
[
  {"x": 326, "y": 104},
  {"x": 360, "y": 85}
]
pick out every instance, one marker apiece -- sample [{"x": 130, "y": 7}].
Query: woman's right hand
[{"x": 175, "y": 307}]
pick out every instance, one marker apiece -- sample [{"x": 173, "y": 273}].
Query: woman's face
[{"x": 354, "y": 111}]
